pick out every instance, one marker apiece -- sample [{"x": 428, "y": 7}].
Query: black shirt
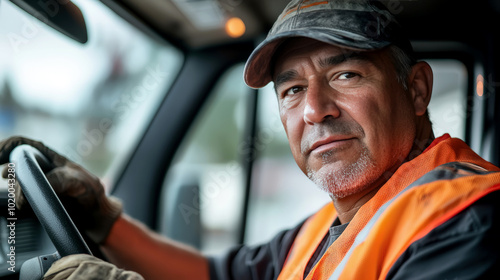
[{"x": 333, "y": 233}]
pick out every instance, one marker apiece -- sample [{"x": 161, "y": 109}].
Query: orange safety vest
[{"x": 405, "y": 209}]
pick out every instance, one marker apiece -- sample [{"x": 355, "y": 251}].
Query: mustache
[{"x": 327, "y": 128}]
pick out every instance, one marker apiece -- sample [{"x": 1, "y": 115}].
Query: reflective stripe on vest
[{"x": 401, "y": 212}]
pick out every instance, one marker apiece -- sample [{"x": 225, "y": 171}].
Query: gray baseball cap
[{"x": 354, "y": 24}]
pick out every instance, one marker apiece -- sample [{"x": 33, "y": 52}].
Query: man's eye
[
  {"x": 294, "y": 90},
  {"x": 347, "y": 75}
]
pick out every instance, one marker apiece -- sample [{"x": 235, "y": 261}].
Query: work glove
[
  {"x": 81, "y": 193},
  {"x": 86, "y": 267}
]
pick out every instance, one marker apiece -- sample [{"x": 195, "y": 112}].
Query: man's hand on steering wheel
[
  {"x": 82, "y": 266},
  {"x": 81, "y": 192}
]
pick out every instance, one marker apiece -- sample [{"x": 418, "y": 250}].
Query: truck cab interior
[{"x": 149, "y": 96}]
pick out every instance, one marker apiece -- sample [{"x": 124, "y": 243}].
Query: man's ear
[{"x": 420, "y": 86}]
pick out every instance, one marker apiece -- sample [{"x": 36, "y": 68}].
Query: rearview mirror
[{"x": 62, "y": 15}]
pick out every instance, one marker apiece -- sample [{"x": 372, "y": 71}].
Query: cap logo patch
[{"x": 304, "y": 7}]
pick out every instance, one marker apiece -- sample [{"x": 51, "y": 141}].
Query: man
[{"x": 353, "y": 102}]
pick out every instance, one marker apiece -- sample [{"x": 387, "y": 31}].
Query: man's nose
[{"x": 320, "y": 103}]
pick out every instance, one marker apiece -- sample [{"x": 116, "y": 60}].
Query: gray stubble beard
[{"x": 347, "y": 181}]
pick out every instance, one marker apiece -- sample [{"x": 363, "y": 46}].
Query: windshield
[{"x": 90, "y": 102}]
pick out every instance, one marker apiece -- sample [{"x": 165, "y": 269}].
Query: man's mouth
[{"x": 330, "y": 143}]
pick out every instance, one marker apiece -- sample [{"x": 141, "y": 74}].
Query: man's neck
[
  {"x": 347, "y": 207},
  {"x": 423, "y": 139}
]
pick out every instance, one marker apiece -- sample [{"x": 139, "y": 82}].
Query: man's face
[{"x": 347, "y": 118}]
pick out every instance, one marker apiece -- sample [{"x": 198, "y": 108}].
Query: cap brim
[{"x": 257, "y": 72}]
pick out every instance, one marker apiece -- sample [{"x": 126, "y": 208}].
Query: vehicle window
[
  {"x": 208, "y": 164},
  {"x": 448, "y": 107},
  {"x": 279, "y": 186},
  {"x": 90, "y": 102}
]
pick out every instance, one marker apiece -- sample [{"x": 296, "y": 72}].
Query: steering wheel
[{"x": 30, "y": 165}]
